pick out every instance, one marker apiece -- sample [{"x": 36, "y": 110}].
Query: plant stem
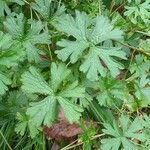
[
  {"x": 80, "y": 143},
  {"x": 5, "y": 140},
  {"x": 135, "y": 49}
]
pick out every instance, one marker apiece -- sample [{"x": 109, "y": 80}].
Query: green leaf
[
  {"x": 72, "y": 111},
  {"x": 104, "y": 31},
  {"x": 36, "y": 34},
  {"x": 110, "y": 144},
  {"x": 72, "y": 49},
  {"x": 122, "y": 134},
  {"x": 42, "y": 7},
  {"x": 4, "y": 8},
  {"x": 15, "y": 26},
  {"x": 32, "y": 52},
  {"x": 42, "y": 112},
  {"x": 112, "y": 91},
  {"x": 138, "y": 10},
  {"x": 14, "y": 55},
  {"x": 5, "y": 41},
  {"x": 143, "y": 89},
  {"x": 10, "y": 52},
  {"x": 85, "y": 46},
  {"x": 4, "y": 82},
  {"x": 76, "y": 27},
  {"x": 93, "y": 67},
  {"x": 58, "y": 74},
  {"x": 57, "y": 93},
  {"x": 21, "y": 125},
  {"x": 140, "y": 67},
  {"x": 33, "y": 82},
  {"x": 73, "y": 91}
]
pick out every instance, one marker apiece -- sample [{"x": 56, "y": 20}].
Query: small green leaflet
[
  {"x": 56, "y": 92},
  {"x": 89, "y": 44},
  {"x": 138, "y": 10},
  {"x": 36, "y": 34},
  {"x": 112, "y": 91},
  {"x": 120, "y": 136}
]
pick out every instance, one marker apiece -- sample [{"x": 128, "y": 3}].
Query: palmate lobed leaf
[
  {"x": 87, "y": 39},
  {"x": 92, "y": 65},
  {"x": 123, "y": 134},
  {"x": 138, "y": 9},
  {"x": 45, "y": 111},
  {"x": 111, "y": 91},
  {"x": 36, "y": 34}
]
